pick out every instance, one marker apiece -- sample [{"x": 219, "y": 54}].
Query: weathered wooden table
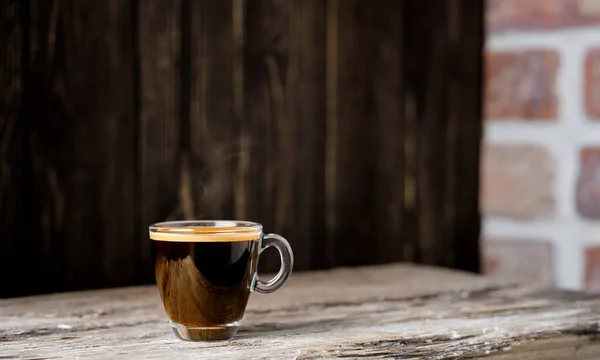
[{"x": 399, "y": 311}]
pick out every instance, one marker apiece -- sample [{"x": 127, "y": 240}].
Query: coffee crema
[{"x": 205, "y": 233}]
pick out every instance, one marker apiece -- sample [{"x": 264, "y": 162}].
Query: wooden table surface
[{"x": 396, "y": 311}]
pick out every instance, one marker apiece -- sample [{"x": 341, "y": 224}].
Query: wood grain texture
[
  {"x": 397, "y": 311},
  {"x": 426, "y": 71},
  {"x": 443, "y": 122},
  {"x": 387, "y": 77},
  {"x": 79, "y": 117},
  {"x": 350, "y": 127},
  {"x": 214, "y": 127},
  {"x": 13, "y": 132},
  {"x": 159, "y": 165},
  {"x": 354, "y": 140},
  {"x": 284, "y": 112},
  {"x": 369, "y": 126},
  {"x": 466, "y": 105}
]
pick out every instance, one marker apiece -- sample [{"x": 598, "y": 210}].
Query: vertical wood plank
[
  {"x": 331, "y": 123},
  {"x": 410, "y": 211},
  {"x": 13, "y": 133},
  {"x": 305, "y": 103},
  {"x": 368, "y": 124},
  {"x": 453, "y": 115},
  {"x": 354, "y": 138},
  {"x": 389, "y": 132},
  {"x": 159, "y": 46},
  {"x": 438, "y": 88},
  {"x": 467, "y": 82},
  {"x": 262, "y": 27},
  {"x": 426, "y": 82},
  {"x": 243, "y": 163},
  {"x": 284, "y": 112},
  {"x": 82, "y": 141},
  {"x": 214, "y": 126}
]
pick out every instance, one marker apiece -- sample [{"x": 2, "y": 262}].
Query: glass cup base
[{"x": 209, "y": 333}]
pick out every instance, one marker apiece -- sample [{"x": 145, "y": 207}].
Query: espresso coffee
[
  {"x": 204, "y": 280},
  {"x": 205, "y": 271}
]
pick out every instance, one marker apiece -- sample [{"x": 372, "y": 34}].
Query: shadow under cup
[{"x": 205, "y": 271}]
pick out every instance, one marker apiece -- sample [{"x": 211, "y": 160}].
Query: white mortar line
[
  {"x": 563, "y": 138},
  {"x": 585, "y": 36},
  {"x": 518, "y": 131}
]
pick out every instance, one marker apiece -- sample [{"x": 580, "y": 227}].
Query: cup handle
[{"x": 287, "y": 263}]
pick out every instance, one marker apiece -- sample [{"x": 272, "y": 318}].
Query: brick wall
[{"x": 541, "y": 156}]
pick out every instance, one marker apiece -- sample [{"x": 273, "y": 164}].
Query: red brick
[
  {"x": 592, "y": 269},
  {"x": 517, "y": 181},
  {"x": 515, "y": 15},
  {"x": 521, "y": 84},
  {"x": 518, "y": 259},
  {"x": 592, "y": 83},
  {"x": 588, "y": 184}
]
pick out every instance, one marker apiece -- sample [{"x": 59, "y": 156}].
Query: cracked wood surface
[{"x": 395, "y": 311}]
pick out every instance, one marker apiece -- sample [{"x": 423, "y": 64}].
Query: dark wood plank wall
[
  {"x": 13, "y": 153},
  {"x": 367, "y": 181},
  {"x": 351, "y": 127},
  {"x": 284, "y": 122},
  {"x": 158, "y": 165}
]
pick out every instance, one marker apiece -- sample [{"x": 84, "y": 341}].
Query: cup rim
[{"x": 205, "y": 230}]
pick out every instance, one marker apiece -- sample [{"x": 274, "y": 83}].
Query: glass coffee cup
[{"x": 206, "y": 270}]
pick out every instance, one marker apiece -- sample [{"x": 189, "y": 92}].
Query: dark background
[{"x": 352, "y": 127}]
